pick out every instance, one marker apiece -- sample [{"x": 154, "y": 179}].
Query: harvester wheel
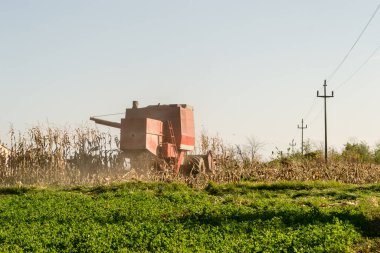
[{"x": 197, "y": 165}]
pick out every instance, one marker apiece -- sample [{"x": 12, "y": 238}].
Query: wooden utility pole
[
  {"x": 292, "y": 145},
  {"x": 324, "y": 96},
  {"x": 302, "y": 128}
]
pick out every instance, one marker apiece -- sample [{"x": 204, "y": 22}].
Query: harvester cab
[{"x": 160, "y": 136}]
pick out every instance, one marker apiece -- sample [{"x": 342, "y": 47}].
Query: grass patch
[{"x": 171, "y": 217}]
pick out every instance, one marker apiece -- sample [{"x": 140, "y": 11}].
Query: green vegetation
[
  {"x": 361, "y": 152},
  {"x": 172, "y": 217},
  {"x": 236, "y": 214},
  {"x": 353, "y": 152}
]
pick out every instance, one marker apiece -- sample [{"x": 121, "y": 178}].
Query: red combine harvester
[{"x": 160, "y": 136}]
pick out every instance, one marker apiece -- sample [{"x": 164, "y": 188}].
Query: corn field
[
  {"x": 59, "y": 156},
  {"x": 54, "y": 156}
]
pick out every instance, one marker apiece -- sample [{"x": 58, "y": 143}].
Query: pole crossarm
[{"x": 325, "y": 96}]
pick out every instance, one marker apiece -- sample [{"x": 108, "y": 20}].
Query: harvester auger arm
[{"x": 106, "y": 122}]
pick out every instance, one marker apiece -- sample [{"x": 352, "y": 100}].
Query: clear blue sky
[{"x": 249, "y": 68}]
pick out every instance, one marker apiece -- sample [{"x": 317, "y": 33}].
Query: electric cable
[
  {"x": 356, "y": 41},
  {"x": 308, "y": 112},
  {"x": 358, "y": 69},
  {"x": 316, "y": 116}
]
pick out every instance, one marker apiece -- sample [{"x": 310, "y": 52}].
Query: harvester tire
[{"x": 197, "y": 165}]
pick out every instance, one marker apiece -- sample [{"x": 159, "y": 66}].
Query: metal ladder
[{"x": 172, "y": 137}]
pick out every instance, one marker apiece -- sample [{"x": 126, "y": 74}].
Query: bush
[
  {"x": 357, "y": 152},
  {"x": 376, "y": 155}
]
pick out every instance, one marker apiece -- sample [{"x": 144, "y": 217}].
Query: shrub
[
  {"x": 357, "y": 152},
  {"x": 376, "y": 155}
]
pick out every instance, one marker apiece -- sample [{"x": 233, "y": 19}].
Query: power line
[
  {"x": 356, "y": 41},
  {"x": 316, "y": 116},
  {"x": 308, "y": 112},
  {"x": 358, "y": 69}
]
